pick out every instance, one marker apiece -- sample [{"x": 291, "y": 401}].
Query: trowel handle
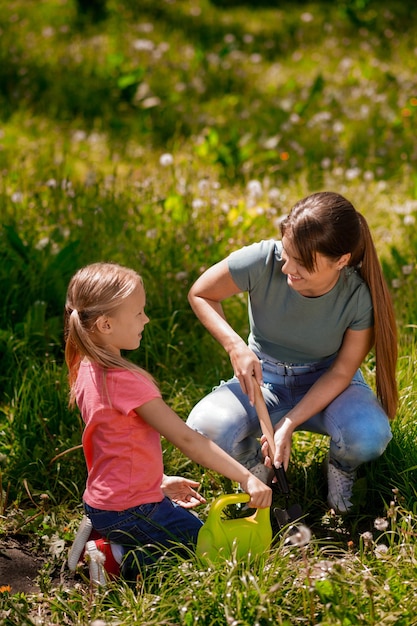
[
  {"x": 264, "y": 419},
  {"x": 281, "y": 477},
  {"x": 268, "y": 431}
]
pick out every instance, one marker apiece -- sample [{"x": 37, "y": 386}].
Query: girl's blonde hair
[
  {"x": 328, "y": 224},
  {"x": 95, "y": 290}
]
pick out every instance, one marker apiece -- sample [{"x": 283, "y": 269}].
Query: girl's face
[
  {"x": 124, "y": 328},
  {"x": 311, "y": 284}
]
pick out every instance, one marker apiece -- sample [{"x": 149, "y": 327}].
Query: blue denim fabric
[
  {"x": 357, "y": 425},
  {"x": 147, "y": 531}
]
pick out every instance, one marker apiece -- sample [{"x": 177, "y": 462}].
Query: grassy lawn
[{"x": 163, "y": 136}]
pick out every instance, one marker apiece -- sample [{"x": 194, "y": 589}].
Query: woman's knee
[
  {"x": 219, "y": 415},
  {"x": 362, "y": 429}
]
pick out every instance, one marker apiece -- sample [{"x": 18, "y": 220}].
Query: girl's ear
[
  {"x": 103, "y": 324},
  {"x": 343, "y": 260}
]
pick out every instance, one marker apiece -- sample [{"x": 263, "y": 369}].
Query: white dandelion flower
[
  {"x": 367, "y": 539},
  {"x": 381, "y": 551},
  {"x": 254, "y": 189},
  {"x": 381, "y": 523},
  {"x": 166, "y": 159},
  {"x": 301, "y": 537}
]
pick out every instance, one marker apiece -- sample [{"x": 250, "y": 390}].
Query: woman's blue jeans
[
  {"x": 357, "y": 425},
  {"x": 147, "y": 532}
]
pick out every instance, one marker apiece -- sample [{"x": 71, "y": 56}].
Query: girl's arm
[
  {"x": 181, "y": 491},
  {"x": 356, "y": 345},
  {"x": 205, "y": 297},
  {"x": 203, "y": 451}
]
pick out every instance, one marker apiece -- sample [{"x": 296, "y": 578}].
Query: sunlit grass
[{"x": 163, "y": 137}]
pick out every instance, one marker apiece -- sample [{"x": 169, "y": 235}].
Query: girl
[
  {"x": 318, "y": 302},
  {"x": 124, "y": 417}
]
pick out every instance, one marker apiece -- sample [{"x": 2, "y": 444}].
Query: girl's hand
[
  {"x": 260, "y": 494},
  {"x": 180, "y": 490}
]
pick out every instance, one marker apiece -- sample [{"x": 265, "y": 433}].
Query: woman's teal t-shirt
[{"x": 289, "y": 327}]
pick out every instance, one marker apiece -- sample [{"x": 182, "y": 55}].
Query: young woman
[
  {"x": 127, "y": 498},
  {"x": 318, "y": 302}
]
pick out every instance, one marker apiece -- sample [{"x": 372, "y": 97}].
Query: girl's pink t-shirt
[{"x": 123, "y": 453}]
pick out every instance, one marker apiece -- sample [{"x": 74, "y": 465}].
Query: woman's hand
[
  {"x": 247, "y": 369},
  {"x": 283, "y": 442},
  {"x": 180, "y": 490}
]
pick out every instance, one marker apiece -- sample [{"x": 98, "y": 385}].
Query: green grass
[{"x": 298, "y": 96}]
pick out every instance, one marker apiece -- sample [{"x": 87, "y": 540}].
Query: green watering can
[{"x": 246, "y": 537}]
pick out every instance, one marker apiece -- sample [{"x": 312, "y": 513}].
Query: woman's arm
[
  {"x": 203, "y": 451},
  {"x": 356, "y": 345},
  {"x": 205, "y": 297}
]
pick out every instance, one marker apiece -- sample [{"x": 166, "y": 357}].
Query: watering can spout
[{"x": 246, "y": 537}]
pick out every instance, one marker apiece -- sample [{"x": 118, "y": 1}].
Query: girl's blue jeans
[
  {"x": 357, "y": 425},
  {"x": 147, "y": 532}
]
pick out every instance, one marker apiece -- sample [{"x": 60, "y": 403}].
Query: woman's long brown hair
[{"x": 328, "y": 224}]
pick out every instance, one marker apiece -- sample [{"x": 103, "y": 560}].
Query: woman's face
[{"x": 310, "y": 284}]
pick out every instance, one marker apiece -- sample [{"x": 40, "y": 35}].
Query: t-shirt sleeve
[
  {"x": 364, "y": 317},
  {"x": 131, "y": 390},
  {"x": 247, "y": 264}
]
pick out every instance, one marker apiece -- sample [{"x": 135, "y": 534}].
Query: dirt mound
[{"x": 19, "y": 565}]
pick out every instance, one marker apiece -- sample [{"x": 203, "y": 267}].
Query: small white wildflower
[
  {"x": 198, "y": 204},
  {"x": 51, "y": 183},
  {"x": 272, "y": 142},
  {"x": 149, "y": 103},
  {"x": 301, "y": 537},
  {"x": 321, "y": 569},
  {"x": 145, "y": 27},
  {"x": 56, "y": 545},
  {"x": 179, "y": 276},
  {"x": 166, "y": 160},
  {"x": 381, "y": 551},
  {"x": 255, "y": 58},
  {"x": 352, "y": 173},
  {"x": 407, "y": 269},
  {"x": 409, "y": 220},
  {"x": 338, "y": 127},
  {"x": 145, "y": 45},
  {"x": 367, "y": 539},
  {"x": 307, "y": 17},
  {"x": 17, "y": 197},
  {"x": 79, "y": 135},
  {"x": 254, "y": 189},
  {"x": 48, "y": 31},
  {"x": 396, "y": 283},
  {"x": 42, "y": 243},
  {"x": 203, "y": 185},
  {"x": 274, "y": 195},
  {"x": 381, "y": 523},
  {"x": 98, "y": 557}
]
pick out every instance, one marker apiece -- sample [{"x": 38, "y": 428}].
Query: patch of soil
[{"x": 20, "y": 565}]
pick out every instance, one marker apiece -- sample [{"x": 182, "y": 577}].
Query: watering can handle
[{"x": 268, "y": 431}]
